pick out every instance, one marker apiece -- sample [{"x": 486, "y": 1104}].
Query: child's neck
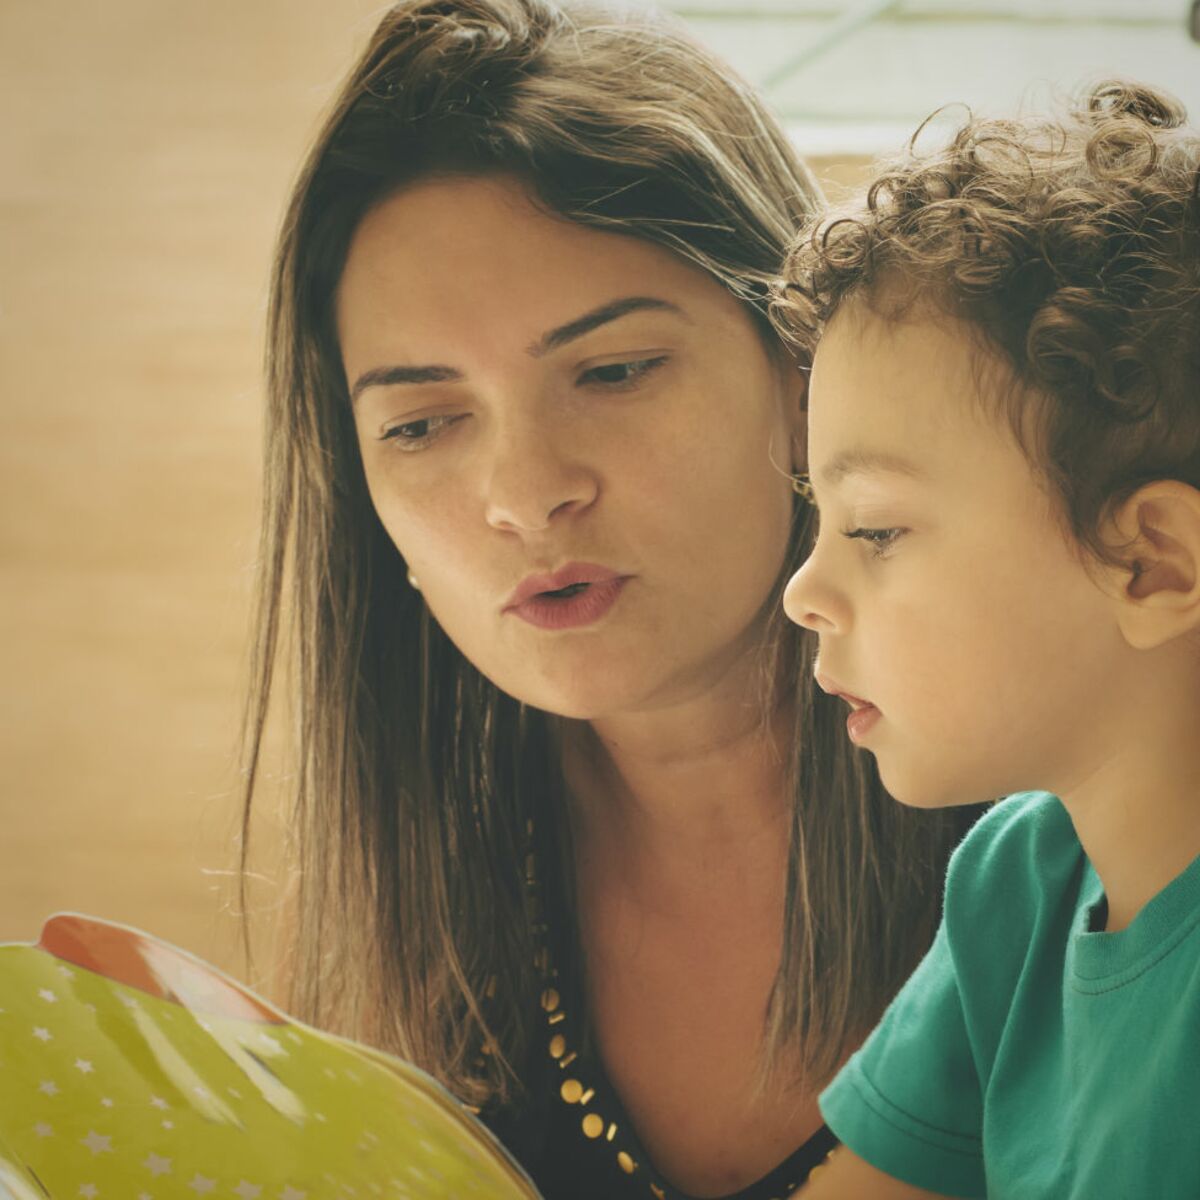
[{"x": 1136, "y": 809}]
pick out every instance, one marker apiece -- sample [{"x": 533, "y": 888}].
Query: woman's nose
[
  {"x": 530, "y": 480},
  {"x": 812, "y": 602}
]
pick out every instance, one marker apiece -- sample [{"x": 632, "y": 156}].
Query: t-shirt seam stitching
[
  {"x": 868, "y": 1097},
  {"x": 1078, "y": 980}
]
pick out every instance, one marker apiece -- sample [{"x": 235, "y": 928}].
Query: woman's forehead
[
  {"x": 476, "y": 257},
  {"x": 460, "y": 226}
]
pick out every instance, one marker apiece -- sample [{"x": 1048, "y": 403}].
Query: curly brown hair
[{"x": 1072, "y": 246}]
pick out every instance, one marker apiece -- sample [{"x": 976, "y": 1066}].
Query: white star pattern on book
[
  {"x": 157, "y": 1165},
  {"x": 97, "y": 1143}
]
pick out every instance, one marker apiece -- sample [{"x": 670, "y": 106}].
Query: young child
[{"x": 1004, "y": 445}]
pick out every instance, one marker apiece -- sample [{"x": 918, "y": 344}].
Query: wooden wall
[{"x": 145, "y": 150}]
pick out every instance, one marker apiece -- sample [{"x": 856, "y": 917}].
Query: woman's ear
[{"x": 1158, "y": 532}]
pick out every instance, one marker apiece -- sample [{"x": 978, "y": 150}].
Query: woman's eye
[
  {"x": 622, "y": 374},
  {"x": 410, "y": 436},
  {"x": 881, "y": 540}
]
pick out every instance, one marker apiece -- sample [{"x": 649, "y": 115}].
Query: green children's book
[{"x": 130, "y": 1070}]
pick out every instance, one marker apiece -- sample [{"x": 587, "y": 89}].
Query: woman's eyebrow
[
  {"x": 551, "y": 340},
  {"x": 384, "y": 376},
  {"x": 601, "y": 315}
]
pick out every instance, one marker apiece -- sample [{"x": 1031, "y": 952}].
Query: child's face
[{"x": 978, "y": 648}]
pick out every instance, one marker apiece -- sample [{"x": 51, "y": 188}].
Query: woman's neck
[{"x": 701, "y": 786}]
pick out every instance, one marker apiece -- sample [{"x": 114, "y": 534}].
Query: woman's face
[{"x": 535, "y": 398}]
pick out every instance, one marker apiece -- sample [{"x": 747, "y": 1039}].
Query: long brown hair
[{"x": 416, "y": 780}]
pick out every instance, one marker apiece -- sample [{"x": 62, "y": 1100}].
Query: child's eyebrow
[{"x": 861, "y": 462}]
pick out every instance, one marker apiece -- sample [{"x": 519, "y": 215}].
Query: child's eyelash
[{"x": 881, "y": 540}]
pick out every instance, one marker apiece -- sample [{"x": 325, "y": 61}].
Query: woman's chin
[
  {"x": 574, "y": 701},
  {"x": 580, "y": 690}
]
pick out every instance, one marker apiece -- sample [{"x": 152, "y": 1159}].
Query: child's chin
[{"x": 926, "y": 792}]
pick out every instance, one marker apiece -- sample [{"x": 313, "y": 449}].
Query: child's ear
[{"x": 1158, "y": 529}]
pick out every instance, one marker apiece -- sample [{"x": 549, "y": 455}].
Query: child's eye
[
  {"x": 410, "y": 436},
  {"x": 620, "y": 375},
  {"x": 881, "y": 540}
]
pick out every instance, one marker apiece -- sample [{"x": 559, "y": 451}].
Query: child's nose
[{"x": 809, "y": 601}]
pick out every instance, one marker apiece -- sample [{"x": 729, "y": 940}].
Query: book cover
[{"x": 131, "y": 1070}]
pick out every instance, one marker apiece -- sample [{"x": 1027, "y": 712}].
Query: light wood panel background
[{"x": 145, "y": 152}]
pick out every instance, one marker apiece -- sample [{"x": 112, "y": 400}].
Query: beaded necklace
[{"x": 593, "y": 1103}]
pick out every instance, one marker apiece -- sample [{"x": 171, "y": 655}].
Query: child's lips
[
  {"x": 826, "y": 684},
  {"x": 863, "y": 714},
  {"x": 861, "y": 721}
]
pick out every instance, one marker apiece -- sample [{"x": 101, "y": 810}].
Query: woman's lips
[{"x": 574, "y": 595}]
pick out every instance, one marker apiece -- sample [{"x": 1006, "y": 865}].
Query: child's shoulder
[
  {"x": 1022, "y": 820},
  {"x": 1023, "y": 848}
]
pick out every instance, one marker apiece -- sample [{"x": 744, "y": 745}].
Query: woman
[{"x": 573, "y": 827}]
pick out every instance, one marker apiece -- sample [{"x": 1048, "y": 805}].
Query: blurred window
[{"x": 854, "y": 77}]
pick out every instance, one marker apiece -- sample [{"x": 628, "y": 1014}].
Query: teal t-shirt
[{"x": 1028, "y": 1057}]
